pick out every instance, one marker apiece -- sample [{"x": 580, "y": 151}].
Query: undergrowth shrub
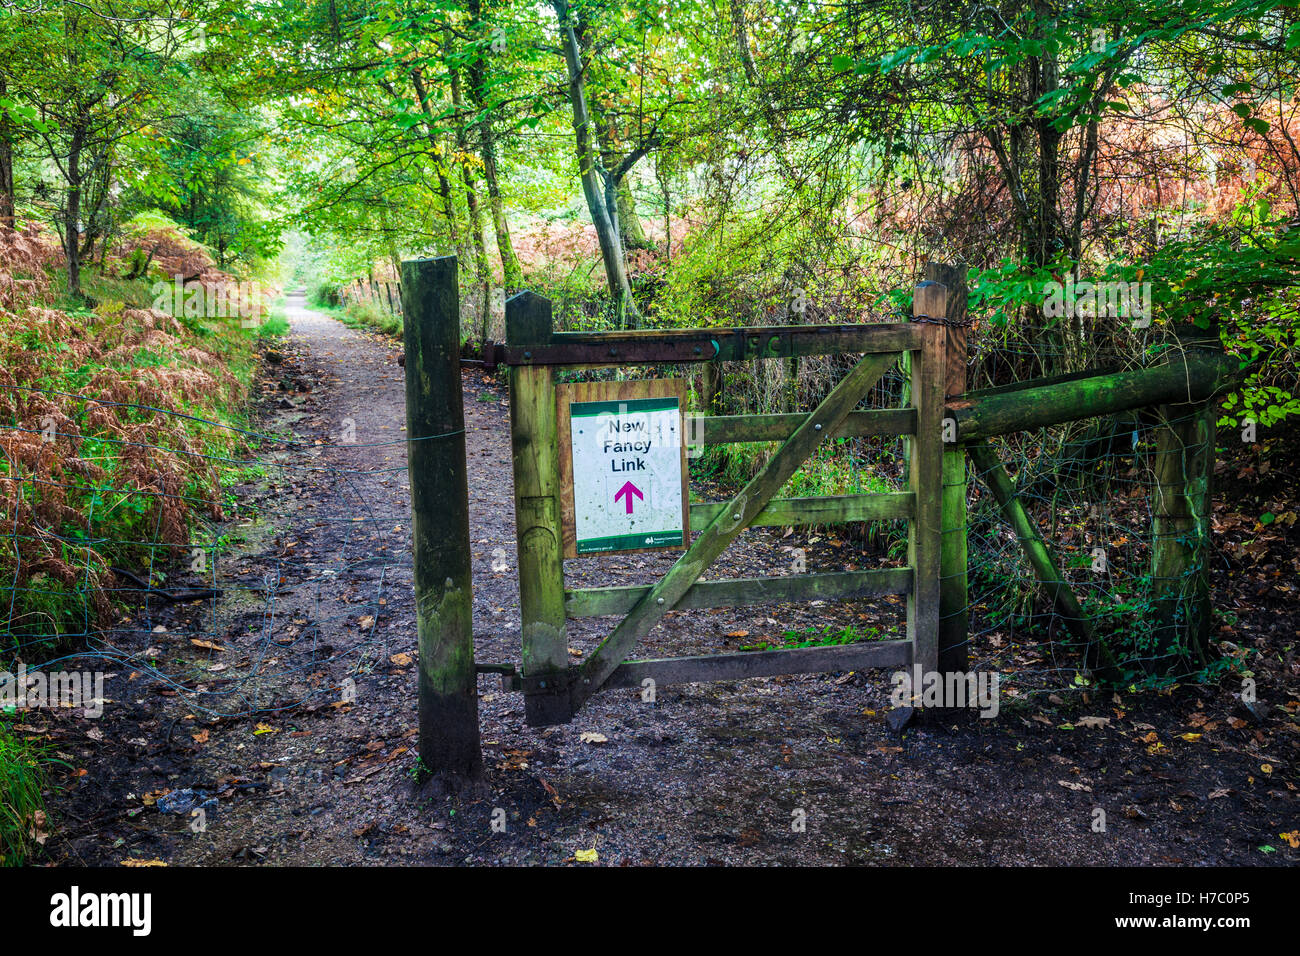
[{"x": 96, "y": 471}]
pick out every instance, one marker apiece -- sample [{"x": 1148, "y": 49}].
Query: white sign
[{"x": 627, "y": 474}]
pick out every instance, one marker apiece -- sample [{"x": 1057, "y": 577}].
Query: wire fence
[{"x": 1091, "y": 492}]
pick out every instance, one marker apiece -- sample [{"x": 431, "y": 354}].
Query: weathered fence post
[
  {"x": 925, "y": 477},
  {"x": 954, "y": 615},
  {"x": 537, "y": 517},
  {"x": 1180, "y": 549},
  {"x": 435, "y": 433}
]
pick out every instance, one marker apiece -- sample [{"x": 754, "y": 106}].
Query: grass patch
[
  {"x": 274, "y": 324},
  {"x": 22, "y": 804},
  {"x": 826, "y": 636}
]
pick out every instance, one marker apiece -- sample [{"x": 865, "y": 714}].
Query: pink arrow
[{"x": 628, "y": 490}]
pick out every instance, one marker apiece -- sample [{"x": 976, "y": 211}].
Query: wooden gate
[{"x": 554, "y": 690}]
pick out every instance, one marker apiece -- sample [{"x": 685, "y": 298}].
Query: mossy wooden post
[
  {"x": 435, "y": 433},
  {"x": 925, "y": 479},
  {"x": 537, "y": 517},
  {"x": 954, "y": 616},
  {"x": 1184, "y": 468}
]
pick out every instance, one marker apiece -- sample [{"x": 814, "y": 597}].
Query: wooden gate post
[
  {"x": 1182, "y": 511},
  {"x": 545, "y": 655},
  {"x": 954, "y": 615},
  {"x": 925, "y": 479},
  {"x": 435, "y": 433}
]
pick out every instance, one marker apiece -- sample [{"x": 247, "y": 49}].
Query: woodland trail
[{"x": 720, "y": 773}]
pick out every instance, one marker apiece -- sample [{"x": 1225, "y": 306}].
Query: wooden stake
[
  {"x": 435, "y": 430},
  {"x": 994, "y": 475},
  {"x": 1180, "y": 548}
]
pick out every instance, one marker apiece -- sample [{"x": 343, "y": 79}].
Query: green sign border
[{"x": 630, "y": 542}]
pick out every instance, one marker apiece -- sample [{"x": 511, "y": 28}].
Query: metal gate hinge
[{"x": 555, "y": 683}]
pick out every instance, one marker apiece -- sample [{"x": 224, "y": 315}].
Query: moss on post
[
  {"x": 435, "y": 430},
  {"x": 1180, "y": 576}
]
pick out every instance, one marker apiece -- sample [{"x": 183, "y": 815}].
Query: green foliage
[{"x": 825, "y": 636}]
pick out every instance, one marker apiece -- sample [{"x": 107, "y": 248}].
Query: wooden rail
[
  {"x": 1182, "y": 378},
  {"x": 669, "y": 346},
  {"x": 831, "y": 509},
  {"x": 738, "y": 592}
]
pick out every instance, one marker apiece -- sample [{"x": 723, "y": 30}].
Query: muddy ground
[{"x": 316, "y": 582}]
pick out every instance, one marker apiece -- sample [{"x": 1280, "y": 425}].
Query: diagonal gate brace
[{"x": 726, "y": 525}]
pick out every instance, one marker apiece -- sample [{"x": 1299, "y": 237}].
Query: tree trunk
[
  {"x": 633, "y": 232},
  {"x": 484, "y": 317},
  {"x": 512, "y": 273},
  {"x": 7, "y": 201},
  {"x": 394, "y": 260},
  {"x": 444, "y": 184},
  {"x": 611, "y": 249},
  {"x": 72, "y": 212},
  {"x": 663, "y": 175}
]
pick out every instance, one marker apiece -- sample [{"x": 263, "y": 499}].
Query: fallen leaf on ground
[
  {"x": 586, "y": 856},
  {"x": 591, "y": 737},
  {"x": 38, "y": 831},
  {"x": 1092, "y": 722}
]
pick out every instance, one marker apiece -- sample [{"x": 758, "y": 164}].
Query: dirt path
[{"x": 318, "y": 590}]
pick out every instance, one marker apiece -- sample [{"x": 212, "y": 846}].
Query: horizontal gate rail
[
  {"x": 730, "y": 429},
  {"x": 830, "y": 509},
  {"x": 708, "y": 345},
  {"x": 793, "y": 660},
  {"x": 739, "y": 592}
]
